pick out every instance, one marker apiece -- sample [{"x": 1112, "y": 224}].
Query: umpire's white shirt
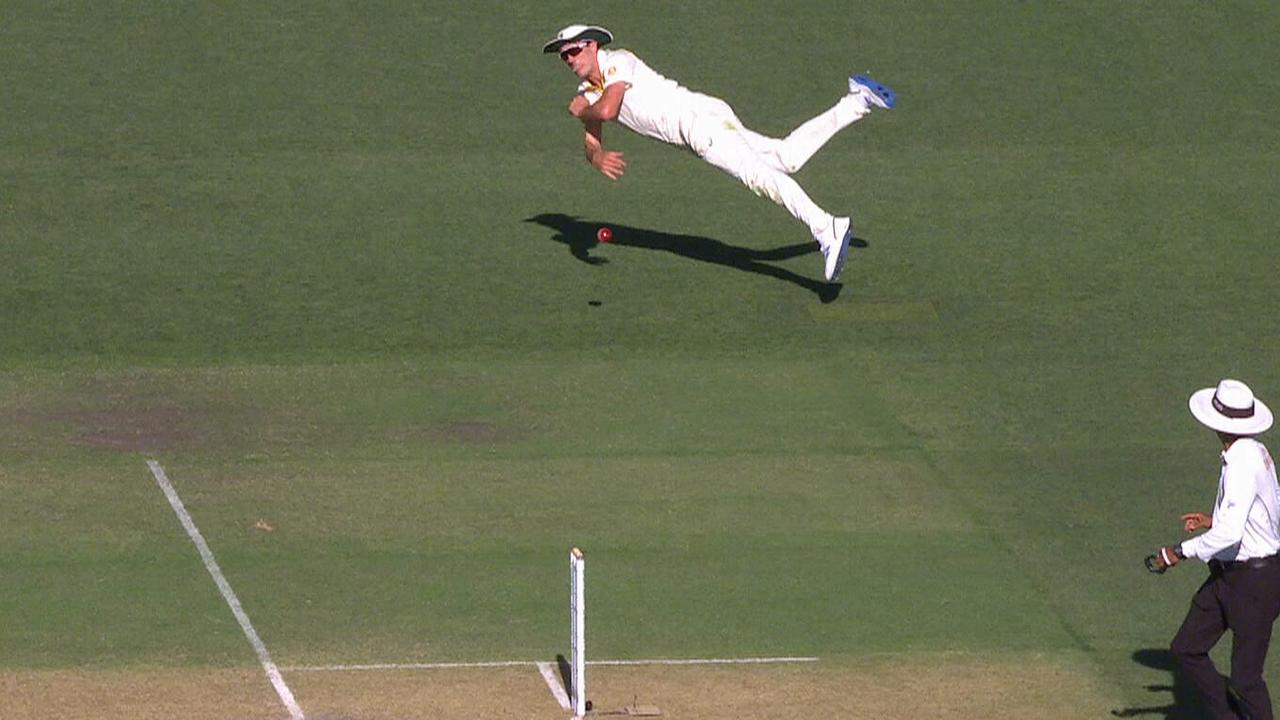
[
  {"x": 1247, "y": 513},
  {"x": 654, "y": 106}
]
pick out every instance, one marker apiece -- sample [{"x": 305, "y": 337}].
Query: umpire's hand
[
  {"x": 1162, "y": 559},
  {"x": 1192, "y": 522}
]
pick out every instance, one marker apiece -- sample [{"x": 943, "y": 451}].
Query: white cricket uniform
[
  {"x": 1246, "y": 515},
  {"x": 661, "y": 108}
]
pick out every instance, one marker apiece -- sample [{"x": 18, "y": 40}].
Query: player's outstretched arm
[{"x": 608, "y": 162}]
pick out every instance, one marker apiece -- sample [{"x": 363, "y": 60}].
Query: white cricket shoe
[{"x": 834, "y": 242}]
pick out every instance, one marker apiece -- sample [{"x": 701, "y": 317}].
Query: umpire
[{"x": 1242, "y": 592}]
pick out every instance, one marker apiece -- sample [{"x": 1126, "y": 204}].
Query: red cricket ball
[{"x": 604, "y": 234}]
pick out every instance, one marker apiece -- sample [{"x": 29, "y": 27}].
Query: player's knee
[{"x": 762, "y": 187}]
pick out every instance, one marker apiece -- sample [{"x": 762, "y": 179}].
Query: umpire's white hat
[
  {"x": 1231, "y": 408},
  {"x": 574, "y": 33}
]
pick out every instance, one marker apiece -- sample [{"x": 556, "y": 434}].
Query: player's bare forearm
[{"x": 609, "y": 162}]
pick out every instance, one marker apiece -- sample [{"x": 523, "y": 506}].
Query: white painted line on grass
[
  {"x": 553, "y": 682},
  {"x": 410, "y": 666},
  {"x": 210, "y": 564},
  {"x": 548, "y": 670},
  {"x": 709, "y": 661},
  {"x": 527, "y": 663}
]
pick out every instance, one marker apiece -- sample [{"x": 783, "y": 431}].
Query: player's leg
[
  {"x": 864, "y": 94},
  {"x": 1254, "y": 605},
  {"x": 728, "y": 149},
  {"x": 725, "y": 146},
  {"x": 1200, "y": 631},
  {"x": 790, "y": 154},
  {"x": 768, "y": 149},
  {"x": 1248, "y": 653}
]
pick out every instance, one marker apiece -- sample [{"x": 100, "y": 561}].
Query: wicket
[{"x": 577, "y": 633}]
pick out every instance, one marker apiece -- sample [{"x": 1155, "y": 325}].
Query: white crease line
[
  {"x": 526, "y": 663},
  {"x": 709, "y": 661},
  {"x": 410, "y": 666},
  {"x": 547, "y": 670},
  {"x": 553, "y": 682},
  {"x": 210, "y": 564}
]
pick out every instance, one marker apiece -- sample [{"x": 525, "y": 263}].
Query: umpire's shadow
[
  {"x": 580, "y": 237},
  {"x": 1184, "y": 701}
]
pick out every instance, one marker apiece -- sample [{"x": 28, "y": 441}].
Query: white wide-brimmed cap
[
  {"x": 574, "y": 33},
  {"x": 1231, "y": 408}
]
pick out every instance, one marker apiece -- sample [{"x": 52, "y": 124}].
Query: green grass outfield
[{"x": 293, "y": 254}]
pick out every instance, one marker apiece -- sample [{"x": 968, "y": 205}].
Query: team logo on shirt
[{"x": 613, "y": 70}]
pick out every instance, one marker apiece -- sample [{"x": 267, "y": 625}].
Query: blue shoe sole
[{"x": 882, "y": 91}]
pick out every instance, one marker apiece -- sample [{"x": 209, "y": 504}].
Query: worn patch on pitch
[
  {"x": 941, "y": 687},
  {"x": 876, "y": 311},
  {"x": 128, "y": 428},
  {"x": 944, "y": 687},
  {"x": 245, "y": 694},
  {"x": 132, "y": 412},
  {"x": 141, "y": 693}
]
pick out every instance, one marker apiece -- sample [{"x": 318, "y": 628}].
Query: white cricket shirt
[
  {"x": 654, "y": 106},
  {"x": 1247, "y": 512}
]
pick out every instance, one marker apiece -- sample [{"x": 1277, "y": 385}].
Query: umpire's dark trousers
[{"x": 1243, "y": 597}]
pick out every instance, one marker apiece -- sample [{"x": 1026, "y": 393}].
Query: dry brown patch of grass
[
  {"x": 946, "y": 688},
  {"x": 941, "y": 689},
  {"x": 139, "y": 693}
]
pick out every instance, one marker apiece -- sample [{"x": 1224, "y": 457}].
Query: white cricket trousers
[{"x": 765, "y": 164}]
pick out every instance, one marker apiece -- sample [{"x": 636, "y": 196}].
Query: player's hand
[
  {"x": 1196, "y": 521},
  {"x": 610, "y": 163},
  {"x": 577, "y": 105}
]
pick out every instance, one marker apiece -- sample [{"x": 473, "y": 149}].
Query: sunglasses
[{"x": 571, "y": 51}]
